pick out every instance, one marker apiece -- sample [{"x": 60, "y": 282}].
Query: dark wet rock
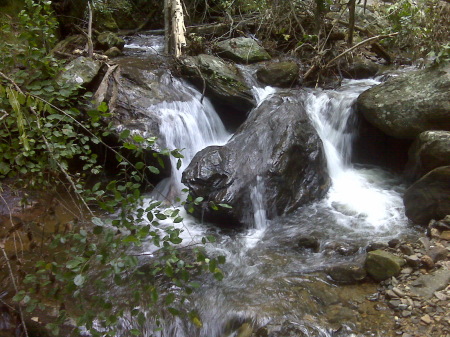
[
  {"x": 108, "y": 40},
  {"x": 308, "y": 242},
  {"x": 409, "y": 104},
  {"x": 242, "y": 50},
  {"x": 348, "y": 273},
  {"x": 382, "y": 265},
  {"x": 113, "y": 52},
  {"x": 393, "y": 243},
  {"x": 224, "y": 83},
  {"x": 430, "y": 150},
  {"x": 280, "y": 74},
  {"x": 341, "y": 248},
  {"x": 79, "y": 72},
  {"x": 275, "y": 154},
  {"x": 428, "y": 198},
  {"x": 426, "y": 285}
]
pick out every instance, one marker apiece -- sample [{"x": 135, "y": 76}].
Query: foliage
[
  {"x": 43, "y": 133},
  {"x": 423, "y": 25}
]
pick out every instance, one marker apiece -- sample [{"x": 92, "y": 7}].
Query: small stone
[
  {"x": 406, "y": 313},
  {"x": 434, "y": 233},
  {"x": 413, "y": 261},
  {"x": 391, "y": 294},
  {"x": 426, "y": 319},
  {"x": 437, "y": 253},
  {"x": 375, "y": 246},
  {"x": 398, "y": 292},
  {"x": 393, "y": 243},
  {"x": 445, "y": 235},
  {"x": 427, "y": 262},
  {"x": 407, "y": 335},
  {"x": 440, "y": 296},
  {"x": 425, "y": 242},
  {"x": 393, "y": 304},
  {"x": 406, "y": 271},
  {"x": 407, "y": 249}
]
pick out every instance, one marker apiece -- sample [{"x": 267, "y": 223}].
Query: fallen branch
[{"x": 357, "y": 46}]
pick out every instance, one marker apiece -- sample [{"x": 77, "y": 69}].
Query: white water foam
[{"x": 354, "y": 191}]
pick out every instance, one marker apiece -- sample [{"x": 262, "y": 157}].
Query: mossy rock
[
  {"x": 281, "y": 74},
  {"x": 242, "y": 50},
  {"x": 381, "y": 265},
  {"x": 108, "y": 40}
]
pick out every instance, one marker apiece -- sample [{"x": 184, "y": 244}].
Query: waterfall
[
  {"x": 358, "y": 192},
  {"x": 190, "y": 127}
]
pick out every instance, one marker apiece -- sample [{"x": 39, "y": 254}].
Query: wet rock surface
[
  {"x": 276, "y": 150},
  {"x": 222, "y": 82}
]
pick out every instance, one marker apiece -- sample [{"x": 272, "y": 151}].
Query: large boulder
[
  {"x": 280, "y": 74},
  {"x": 409, "y": 104},
  {"x": 79, "y": 72},
  {"x": 242, "y": 50},
  {"x": 273, "y": 164},
  {"x": 429, "y": 151},
  {"x": 225, "y": 85},
  {"x": 428, "y": 198},
  {"x": 382, "y": 265}
]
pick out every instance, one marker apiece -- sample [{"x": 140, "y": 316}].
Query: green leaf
[
  {"x": 153, "y": 169},
  {"x": 178, "y": 219},
  {"x": 169, "y": 298},
  {"x": 218, "y": 276},
  {"x": 225, "y": 206},
  {"x": 124, "y": 134}
]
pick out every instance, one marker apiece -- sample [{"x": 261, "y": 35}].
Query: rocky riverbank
[{"x": 419, "y": 296}]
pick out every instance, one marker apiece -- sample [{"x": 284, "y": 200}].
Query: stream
[{"x": 270, "y": 281}]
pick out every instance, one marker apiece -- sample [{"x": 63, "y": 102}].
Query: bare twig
[{"x": 359, "y": 45}]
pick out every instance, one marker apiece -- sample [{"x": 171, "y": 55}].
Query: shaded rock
[
  {"x": 347, "y": 273},
  {"x": 437, "y": 253},
  {"x": 69, "y": 44},
  {"x": 242, "y": 50},
  {"x": 382, "y": 265},
  {"x": 210, "y": 31},
  {"x": 79, "y": 72},
  {"x": 409, "y": 104},
  {"x": 113, "y": 52},
  {"x": 426, "y": 285},
  {"x": 224, "y": 83},
  {"x": 281, "y": 74},
  {"x": 361, "y": 69},
  {"x": 428, "y": 198},
  {"x": 108, "y": 40},
  {"x": 275, "y": 161},
  {"x": 341, "y": 248},
  {"x": 413, "y": 261},
  {"x": 430, "y": 150},
  {"x": 104, "y": 21}
]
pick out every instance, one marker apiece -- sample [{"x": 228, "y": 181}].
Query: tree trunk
[{"x": 174, "y": 27}]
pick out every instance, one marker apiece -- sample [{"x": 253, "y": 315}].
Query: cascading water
[{"x": 268, "y": 280}]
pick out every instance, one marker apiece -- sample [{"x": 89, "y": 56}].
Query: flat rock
[
  {"x": 382, "y": 265},
  {"x": 426, "y": 285},
  {"x": 242, "y": 50}
]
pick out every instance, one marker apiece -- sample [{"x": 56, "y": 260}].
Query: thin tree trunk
[
  {"x": 167, "y": 26},
  {"x": 351, "y": 20},
  {"x": 89, "y": 35}
]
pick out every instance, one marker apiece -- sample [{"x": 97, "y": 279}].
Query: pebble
[
  {"x": 406, "y": 313},
  {"x": 407, "y": 249},
  {"x": 426, "y": 319},
  {"x": 407, "y": 270},
  {"x": 440, "y": 296},
  {"x": 427, "y": 262},
  {"x": 398, "y": 292},
  {"x": 391, "y": 294},
  {"x": 413, "y": 260},
  {"x": 445, "y": 235}
]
